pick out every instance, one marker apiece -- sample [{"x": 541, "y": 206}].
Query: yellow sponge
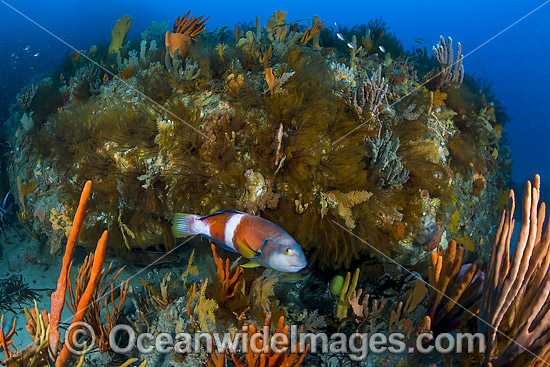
[{"x": 119, "y": 32}]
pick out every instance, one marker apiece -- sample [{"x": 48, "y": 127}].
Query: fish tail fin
[{"x": 181, "y": 226}]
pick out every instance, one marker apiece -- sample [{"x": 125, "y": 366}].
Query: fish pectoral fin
[
  {"x": 250, "y": 264},
  {"x": 244, "y": 249}
]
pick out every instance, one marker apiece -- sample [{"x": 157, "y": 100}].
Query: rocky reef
[
  {"x": 372, "y": 157},
  {"x": 331, "y": 141}
]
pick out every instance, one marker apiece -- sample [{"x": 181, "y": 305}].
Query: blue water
[{"x": 507, "y": 43}]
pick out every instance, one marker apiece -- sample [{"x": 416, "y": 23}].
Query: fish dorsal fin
[
  {"x": 226, "y": 211},
  {"x": 244, "y": 249},
  {"x": 250, "y": 264}
]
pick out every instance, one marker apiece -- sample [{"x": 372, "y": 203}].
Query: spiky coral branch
[
  {"x": 185, "y": 30},
  {"x": 192, "y": 26},
  {"x": 516, "y": 299},
  {"x": 226, "y": 285},
  {"x": 312, "y": 32},
  {"x": 5, "y": 340},
  {"x": 292, "y": 356}
]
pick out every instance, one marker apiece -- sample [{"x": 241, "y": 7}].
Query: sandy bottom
[{"x": 24, "y": 256}]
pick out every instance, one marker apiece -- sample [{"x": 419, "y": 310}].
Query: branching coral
[
  {"x": 261, "y": 293},
  {"x": 348, "y": 289},
  {"x": 313, "y": 32},
  {"x": 36, "y": 354},
  {"x": 362, "y": 308},
  {"x": 398, "y": 317},
  {"x": 343, "y": 202},
  {"x": 238, "y": 293},
  {"x": 225, "y": 285},
  {"x": 191, "y": 26},
  {"x": 184, "y": 71},
  {"x": 260, "y": 353},
  {"x": 86, "y": 83},
  {"x": 205, "y": 308},
  {"x": 159, "y": 299},
  {"x": 5, "y": 339}
]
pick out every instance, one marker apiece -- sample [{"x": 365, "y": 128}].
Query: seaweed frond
[
  {"x": 262, "y": 291},
  {"x": 160, "y": 300},
  {"x": 14, "y": 290},
  {"x": 205, "y": 308},
  {"x": 344, "y": 201},
  {"x": 191, "y": 270}
]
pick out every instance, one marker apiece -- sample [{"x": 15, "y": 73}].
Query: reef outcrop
[{"x": 347, "y": 151}]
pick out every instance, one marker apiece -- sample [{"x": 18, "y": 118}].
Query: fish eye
[{"x": 288, "y": 251}]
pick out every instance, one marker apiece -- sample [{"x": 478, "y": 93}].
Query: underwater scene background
[{"x": 337, "y": 172}]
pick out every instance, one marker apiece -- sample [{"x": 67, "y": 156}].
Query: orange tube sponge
[{"x": 58, "y": 297}]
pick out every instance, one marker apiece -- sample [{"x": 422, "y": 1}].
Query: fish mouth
[{"x": 301, "y": 266}]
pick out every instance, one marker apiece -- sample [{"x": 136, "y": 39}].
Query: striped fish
[{"x": 257, "y": 239}]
